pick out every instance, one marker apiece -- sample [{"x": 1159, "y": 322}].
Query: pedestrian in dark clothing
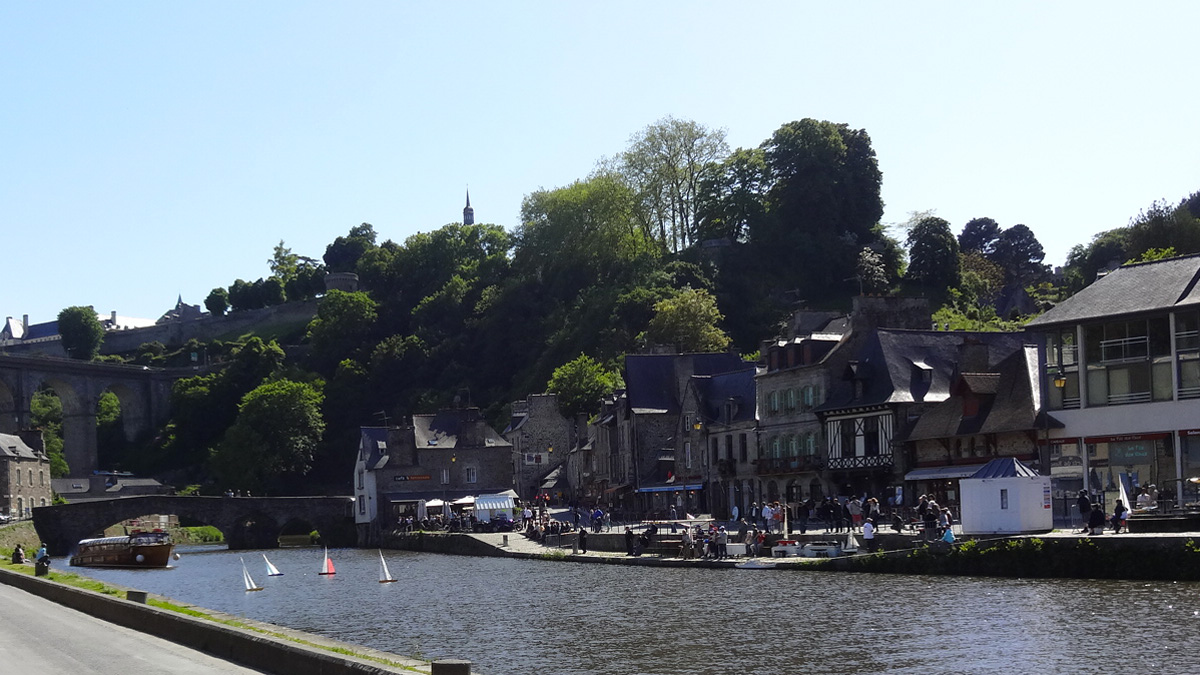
[
  {"x": 629, "y": 541},
  {"x": 583, "y": 540},
  {"x": 1118, "y": 516},
  {"x": 1095, "y": 524},
  {"x": 1085, "y": 509}
]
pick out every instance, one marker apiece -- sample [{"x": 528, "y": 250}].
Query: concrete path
[{"x": 43, "y": 637}]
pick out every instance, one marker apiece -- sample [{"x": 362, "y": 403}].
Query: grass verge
[{"x": 78, "y": 581}]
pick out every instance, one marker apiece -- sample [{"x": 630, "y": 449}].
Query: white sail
[
  {"x": 851, "y": 542},
  {"x": 250, "y": 585},
  {"x": 272, "y": 571},
  {"x": 385, "y": 577}
]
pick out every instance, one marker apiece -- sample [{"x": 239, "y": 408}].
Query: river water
[{"x": 529, "y": 617}]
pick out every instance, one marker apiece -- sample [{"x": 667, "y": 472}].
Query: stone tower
[{"x": 468, "y": 212}]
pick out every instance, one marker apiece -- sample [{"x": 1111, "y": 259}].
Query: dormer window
[{"x": 432, "y": 441}]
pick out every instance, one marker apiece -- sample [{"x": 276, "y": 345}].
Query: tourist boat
[
  {"x": 272, "y": 571},
  {"x": 250, "y": 585},
  {"x": 327, "y": 566},
  {"x": 140, "y": 549},
  {"x": 385, "y": 576}
]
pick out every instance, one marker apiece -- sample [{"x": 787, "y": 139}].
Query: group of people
[
  {"x": 936, "y": 520},
  {"x": 19, "y": 557},
  {"x": 1094, "y": 518}
]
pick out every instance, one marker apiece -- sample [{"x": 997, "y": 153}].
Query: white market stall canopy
[
  {"x": 465, "y": 501},
  {"x": 494, "y": 502},
  {"x": 435, "y": 504}
]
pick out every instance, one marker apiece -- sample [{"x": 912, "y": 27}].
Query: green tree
[
  {"x": 870, "y": 270},
  {"x": 344, "y": 253},
  {"x": 733, "y": 196},
  {"x": 665, "y": 164},
  {"x": 46, "y": 413},
  {"x": 979, "y": 235},
  {"x": 272, "y": 291},
  {"x": 1020, "y": 255},
  {"x": 278, "y": 427},
  {"x": 81, "y": 332},
  {"x": 932, "y": 254},
  {"x": 343, "y": 325},
  {"x": 217, "y": 302},
  {"x": 823, "y": 205},
  {"x": 283, "y": 263},
  {"x": 580, "y": 384},
  {"x": 689, "y": 321}
]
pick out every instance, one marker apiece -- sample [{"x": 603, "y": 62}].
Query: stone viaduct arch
[
  {"x": 246, "y": 522},
  {"x": 144, "y": 394}
]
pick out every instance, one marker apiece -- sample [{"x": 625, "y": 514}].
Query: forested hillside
[{"x": 677, "y": 241}]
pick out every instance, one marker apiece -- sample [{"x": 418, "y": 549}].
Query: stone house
[
  {"x": 665, "y": 449},
  {"x": 541, "y": 439},
  {"x": 1121, "y": 373},
  {"x": 719, "y": 422},
  {"x": 24, "y": 473},
  {"x": 447, "y": 455}
]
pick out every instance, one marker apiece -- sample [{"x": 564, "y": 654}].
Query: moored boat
[{"x": 140, "y": 549}]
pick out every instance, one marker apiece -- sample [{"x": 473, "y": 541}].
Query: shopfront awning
[
  {"x": 942, "y": 472},
  {"x": 616, "y": 488},
  {"x": 678, "y": 487}
]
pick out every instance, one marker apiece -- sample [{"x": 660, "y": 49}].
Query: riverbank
[
  {"x": 1054, "y": 555},
  {"x": 265, "y": 647}
]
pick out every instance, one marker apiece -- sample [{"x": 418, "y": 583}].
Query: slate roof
[
  {"x": 453, "y": 428},
  {"x": 716, "y": 390},
  {"x": 1007, "y": 402},
  {"x": 1131, "y": 289},
  {"x": 651, "y": 380},
  {"x": 374, "y": 440},
  {"x": 906, "y": 366},
  {"x": 1004, "y": 467},
  {"x": 13, "y": 446}
]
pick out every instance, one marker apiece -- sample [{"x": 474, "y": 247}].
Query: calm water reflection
[{"x": 519, "y": 616}]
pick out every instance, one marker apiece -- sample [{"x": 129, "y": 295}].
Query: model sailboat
[
  {"x": 272, "y": 571},
  {"x": 327, "y": 568},
  {"x": 851, "y": 545},
  {"x": 250, "y": 585},
  {"x": 385, "y": 577}
]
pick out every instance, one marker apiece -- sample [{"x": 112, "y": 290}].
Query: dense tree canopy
[
  {"x": 81, "y": 332},
  {"x": 689, "y": 322},
  {"x": 933, "y": 254},
  {"x": 580, "y": 384}
]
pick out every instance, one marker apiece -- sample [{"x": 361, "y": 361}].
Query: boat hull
[{"x": 133, "y": 551}]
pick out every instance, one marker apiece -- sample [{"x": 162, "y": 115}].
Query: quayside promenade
[{"x": 1056, "y": 554}]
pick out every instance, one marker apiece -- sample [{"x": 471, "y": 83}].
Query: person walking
[
  {"x": 583, "y": 535},
  {"x": 1085, "y": 509}
]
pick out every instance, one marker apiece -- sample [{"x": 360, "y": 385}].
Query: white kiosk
[{"x": 1006, "y": 497}]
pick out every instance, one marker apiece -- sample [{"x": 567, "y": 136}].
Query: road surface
[{"x": 43, "y": 637}]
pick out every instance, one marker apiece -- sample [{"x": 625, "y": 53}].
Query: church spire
[{"x": 468, "y": 212}]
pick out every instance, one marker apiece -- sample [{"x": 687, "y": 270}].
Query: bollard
[
  {"x": 136, "y": 596},
  {"x": 451, "y": 667},
  {"x": 505, "y": 541}
]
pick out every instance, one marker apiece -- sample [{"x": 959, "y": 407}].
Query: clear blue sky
[{"x": 150, "y": 149}]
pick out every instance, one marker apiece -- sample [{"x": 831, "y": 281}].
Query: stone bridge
[
  {"x": 144, "y": 394},
  {"x": 246, "y": 522}
]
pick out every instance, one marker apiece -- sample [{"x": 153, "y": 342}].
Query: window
[
  {"x": 362, "y": 506},
  {"x": 687, "y": 423},
  {"x": 31, "y": 478},
  {"x": 773, "y": 402},
  {"x": 743, "y": 454},
  {"x": 360, "y": 478},
  {"x": 472, "y": 475},
  {"x": 1003, "y": 499},
  {"x": 729, "y": 447},
  {"x": 808, "y": 398},
  {"x": 791, "y": 399},
  {"x": 18, "y": 476},
  {"x": 712, "y": 445},
  {"x": 445, "y": 476},
  {"x": 687, "y": 454},
  {"x": 41, "y": 477}
]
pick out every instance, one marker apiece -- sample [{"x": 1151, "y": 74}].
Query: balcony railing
[
  {"x": 864, "y": 462},
  {"x": 778, "y": 465}
]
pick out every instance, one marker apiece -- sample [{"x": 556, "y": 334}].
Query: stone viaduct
[
  {"x": 246, "y": 522},
  {"x": 144, "y": 394}
]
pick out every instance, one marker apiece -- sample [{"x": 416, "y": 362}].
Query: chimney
[
  {"x": 33, "y": 438},
  {"x": 972, "y": 356},
  {"x": 114, "y": 318},
  {"x": 25, "y": 323}
]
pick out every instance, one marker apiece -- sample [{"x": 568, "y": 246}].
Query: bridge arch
[{"x": 246, "y": 522}]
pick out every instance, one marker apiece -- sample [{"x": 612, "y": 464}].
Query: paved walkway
[{"x": 43, "y": 637}]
